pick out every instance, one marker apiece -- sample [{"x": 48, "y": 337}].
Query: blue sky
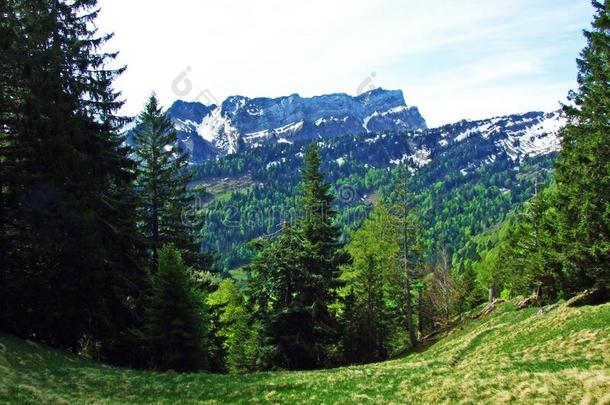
[{"x": 453, "y": 59}]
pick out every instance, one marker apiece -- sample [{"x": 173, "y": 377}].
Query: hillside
[
  {"x": 562, "y": 356},
  {"x": 466, "y": 177}
]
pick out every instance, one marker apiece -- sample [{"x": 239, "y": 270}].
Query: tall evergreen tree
[
  {"x": 162, "y": 185},
  {"x": 317, "y": 222},
  {"x": 71, "y": 271},
  {"x": 583, "y": 171},
  {"x": 296, "y": 276}
]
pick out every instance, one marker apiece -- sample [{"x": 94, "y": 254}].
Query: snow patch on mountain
[
  {"x": 241, "y": 122},
  {"x": 540, "y": 136}
]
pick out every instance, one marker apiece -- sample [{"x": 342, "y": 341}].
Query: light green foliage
[
  {"x": 239, "y": 338},
  {"x": 373, "y": 288}
]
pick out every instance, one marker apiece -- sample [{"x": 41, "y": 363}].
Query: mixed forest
[{"x": 120, "y": 253}]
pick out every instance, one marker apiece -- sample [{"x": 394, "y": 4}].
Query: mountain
[
  {"x": 239, "y": 123},
  {"x": 466, "y": 177}
]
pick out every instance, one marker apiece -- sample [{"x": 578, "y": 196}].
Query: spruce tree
[
  {"x": 67, "y": 208},
  {"x": 281, "y": 286},
  {"x": 174, "y": 331},
  {"x": 583, "y": 171},
  {"x": 317, "y": 222},
  {"x": 162, "y": 185},
  {"x": 296, "y": 276}
]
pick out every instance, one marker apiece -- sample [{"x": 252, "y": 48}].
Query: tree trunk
[
  {"x": 493, "y": 292},
  {"x": 155, "y": 237},
  {"x": 408, "y": 298}
]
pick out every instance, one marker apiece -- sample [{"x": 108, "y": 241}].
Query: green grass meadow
[{"x": 508, "y": 357}]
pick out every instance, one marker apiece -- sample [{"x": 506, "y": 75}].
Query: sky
[{"x": 453, "y": 59}]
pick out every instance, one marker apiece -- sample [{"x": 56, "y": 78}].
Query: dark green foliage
[
  {"x": 453, "y": 207},
  {"x": 70, "y": 270},
  {"x": 583, "y": 170},
  {"x": 282, "y": 289},
  {"x": 325, "y": 254},
  {"x": 174, "y": 331},
  {"x": 164, "y": 200},
  {"x": 559, "y": 244},
  {"x": 531, "y": 251},
  {"x": 295, "y": 276}
]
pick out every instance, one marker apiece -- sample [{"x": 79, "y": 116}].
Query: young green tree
[
  {"x": 174, "y": 331},
  {"x": 162, "y": 185},
  {"x": 583, "y": 171},
  {"x": 372, "y": 285},
  {"x": 239, "y": 337}
]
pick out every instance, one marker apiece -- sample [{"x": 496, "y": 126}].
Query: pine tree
[
  {"x": 174, "y": 331},
  {"x": 583, "y": 171},
  {"x": 162, "y": 185},
  {"x": 530, "y": 254},
  {"x": 67, "y": 207}
]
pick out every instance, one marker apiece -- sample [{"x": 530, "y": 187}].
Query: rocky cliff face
[{"x": 241, "y": 122}]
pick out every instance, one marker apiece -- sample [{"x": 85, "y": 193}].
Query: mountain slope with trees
[{"x": 357, "y": 248}]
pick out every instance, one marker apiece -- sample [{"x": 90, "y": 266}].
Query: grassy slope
[{"x": 509, "y": 356}]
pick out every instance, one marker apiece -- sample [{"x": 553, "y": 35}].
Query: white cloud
[{"x": 439, "y": 53}]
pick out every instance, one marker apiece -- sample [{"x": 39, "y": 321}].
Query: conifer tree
[
  {"x": 162, "y": 185},
  {"x": 174, "y": 331},
  {"x": 281, "y": 286},
  {"x": 67, "y": 208},
  {"x": 583, "y": 171},
  {"x": 326, "y": 255},
  {"x": 296, "y": 277}
]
